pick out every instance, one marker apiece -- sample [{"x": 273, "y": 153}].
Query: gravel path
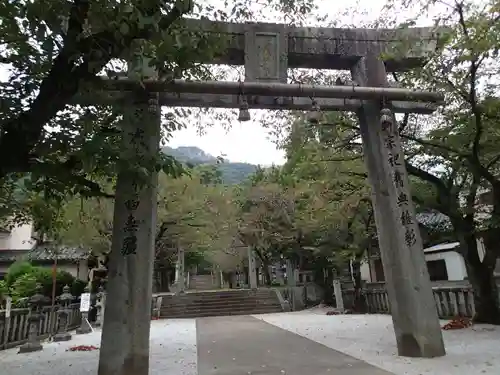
[
  {"x": 370, "y": 338},
  {"x": 173, "y": 351},
  {"x": 471, "y": 351}
]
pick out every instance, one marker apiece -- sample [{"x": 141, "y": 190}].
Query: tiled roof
[
  {"x": 433, "y": 219},
  {"x": 44, "y": 253}
]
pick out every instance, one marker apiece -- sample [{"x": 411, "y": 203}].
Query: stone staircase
[
  {"x": 201, "y": 282},
  {"x": 220, "y": 303}
]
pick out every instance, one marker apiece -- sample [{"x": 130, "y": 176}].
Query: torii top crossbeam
[
  {"x": 321, "y": 48},
  {"x": 267, "y": 51}
]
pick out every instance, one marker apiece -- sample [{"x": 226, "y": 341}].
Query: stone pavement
[
  {"x": 245, "y": 345},
  {"x": 241, "y": 345}
]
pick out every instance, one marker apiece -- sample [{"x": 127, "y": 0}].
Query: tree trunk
[
  {"x": 267, "y": 274},
  {"x": 327, "y": 284},
  {"x": 165, "y": 280},
  {"x": 485, "y": 295},
  {"x": 482, "y": 282},
  {"x": 359, "y": 305},
  {"x": 157, "y": 278},
  {"x": 265, "y": 262}
]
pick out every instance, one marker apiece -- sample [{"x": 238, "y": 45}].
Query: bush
[
  {"x": 4, "y": 290},
  {"x": 77, "y": 287},
  {"x": 16, "y": 270},
  {"x": 22, "y": 277},
  {"x": 44, "y": 277},
  {"x": 23, "y": 286}
]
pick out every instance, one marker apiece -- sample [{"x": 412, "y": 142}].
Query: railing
[
  {"x": 14, "y": 330},
  {"x": 450, "y": 301}
]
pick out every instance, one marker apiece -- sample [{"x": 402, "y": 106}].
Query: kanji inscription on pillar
[
  {"x": 137, "y": 142},
  {"x": 396, "y": 164}
]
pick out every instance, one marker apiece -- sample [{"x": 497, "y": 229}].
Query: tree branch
[
  {"x": 20, "y": 135},
  {"x": 425, "y": 176},
  {"x": 347, "y": 158},
  {"x": 436, "y": 145},
  {"x": 472, "y": 95}
]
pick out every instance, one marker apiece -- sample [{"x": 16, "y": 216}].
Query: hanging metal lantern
[
  {"x": 244, "y": 114},
  {"x": 314, "y": 115},
  {"x": 386, "y": 119}
]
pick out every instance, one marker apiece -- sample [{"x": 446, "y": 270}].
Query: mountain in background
[{"x": 232, "y": 173}]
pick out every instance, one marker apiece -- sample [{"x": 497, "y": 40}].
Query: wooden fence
[
  {"x": 450, "y": 301},
  {"x": 14, "y": 330}
]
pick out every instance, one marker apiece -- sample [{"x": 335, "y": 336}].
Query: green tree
[
  {"x": 193, "y": 213},
  {"x": 55, "y": 52},
  {"x": 455, "y": 151},
  {"x": 337, "y": 216}
]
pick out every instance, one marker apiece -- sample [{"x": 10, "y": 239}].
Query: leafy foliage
[
  {"x": 22, "y": 277},
  {"x": 54, "y": 54}
]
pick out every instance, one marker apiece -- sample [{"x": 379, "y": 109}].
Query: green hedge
[{"x": 22, "y": 277}]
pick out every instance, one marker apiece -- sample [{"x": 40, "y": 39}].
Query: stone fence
[
  {"x": 27, "y": 327},
  {"x": 450, "y": 301},
  {"x": 14, "y": 330}
]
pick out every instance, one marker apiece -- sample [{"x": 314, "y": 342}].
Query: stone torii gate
[{"x": 267, "y": 51}]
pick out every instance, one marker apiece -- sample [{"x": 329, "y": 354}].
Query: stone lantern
[
  {"x": 35, "y": 317},
  {"x": 100, "y": 305},
  {"x": 63, "y": 316}
]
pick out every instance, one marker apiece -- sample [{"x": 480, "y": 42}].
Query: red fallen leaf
[
  {"x": 332, "y": 313},
  {"x": 457, "y": 323},
  {"x": 82, "y": 348}
]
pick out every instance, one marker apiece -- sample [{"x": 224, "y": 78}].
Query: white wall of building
[
  {"x": 19, "y": 238},
  {"x": 455, "y": 264}
]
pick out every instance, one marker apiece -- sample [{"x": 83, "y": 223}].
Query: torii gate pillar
[{"x": 413, "y": 309}]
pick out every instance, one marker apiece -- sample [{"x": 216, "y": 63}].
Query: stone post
[
  {"x": 176, "y": 278},
  {"x": 36, "y": 303},
  {"x": 181, "y": 272},
  {"x": 63, "y": 316},
  {"x": 84, "y": 323},
  {"x": 125, "y": 332},
  {"x": 252, "y": 276},
  {"x": 291, "y": 281},
  {"x": 238, "y": 277},
  {"x": 100, "y": 305},
  {"x": 339, "y": 300},
  {"x": 416, "y": 324}
]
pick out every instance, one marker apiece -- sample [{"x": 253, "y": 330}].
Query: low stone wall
[
  {"x": 14, "y": 330},
  {"x": 302, "y": 296},
  {"x": 450, "y": 301}
]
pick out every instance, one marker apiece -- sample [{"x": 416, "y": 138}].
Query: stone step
[
  {"x": 242, "y": 309},
  {"x": 220, "y": 302},
  {"x": 217, "y": 296},
  {"x": 183, "y": 299},
  {"x": 230, "y": 305},
  {"x": 218, "y": 312}
]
